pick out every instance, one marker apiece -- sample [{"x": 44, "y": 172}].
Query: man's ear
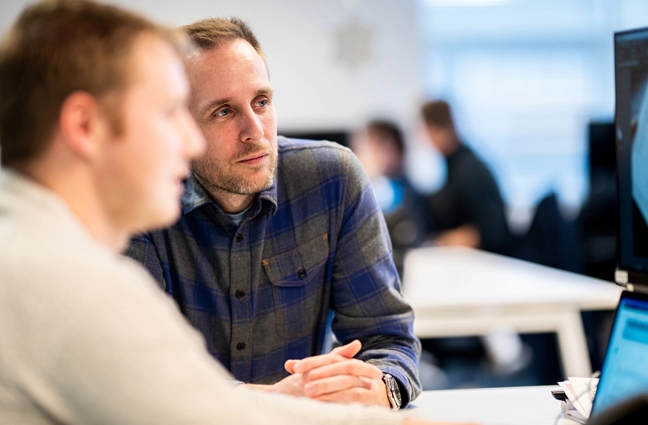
[{"x": 82, "y": 124}]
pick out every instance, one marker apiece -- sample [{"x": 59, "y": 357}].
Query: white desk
[
  {"x": 501, "y": 406},
  {"x": 461, "y": 291}
]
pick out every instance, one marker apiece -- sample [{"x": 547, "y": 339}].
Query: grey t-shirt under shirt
[{"x": 238, "y": 218}]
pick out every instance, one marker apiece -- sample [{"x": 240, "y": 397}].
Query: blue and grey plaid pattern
[{"x": 312, "y": 247}]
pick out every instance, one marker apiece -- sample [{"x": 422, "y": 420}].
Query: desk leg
[{"x": 573, "y": 345}]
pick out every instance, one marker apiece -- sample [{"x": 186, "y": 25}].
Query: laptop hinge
[{"x": 632, "y": 281}]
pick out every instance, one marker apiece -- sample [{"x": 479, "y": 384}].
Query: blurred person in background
[
  {"x": 381, "y": 149},
  {"x": 468, "y": 210}
]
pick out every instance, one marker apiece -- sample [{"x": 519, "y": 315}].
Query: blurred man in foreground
[
  {"x": 279, "y": 241},
  {"x": 96, "y": 140}
]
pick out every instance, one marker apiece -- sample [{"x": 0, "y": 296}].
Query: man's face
[
  {"x": 435, "y": 136},
  {"x": 142, "y": 169},
  {"x": 232, "y": 102}
]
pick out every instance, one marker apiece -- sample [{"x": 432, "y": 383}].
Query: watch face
[
  {"x": 393, "y": 392},
  {"x": 396, "y": 393}
]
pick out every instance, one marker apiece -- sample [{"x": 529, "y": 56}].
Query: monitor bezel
[{"x": 628, "y": 274}]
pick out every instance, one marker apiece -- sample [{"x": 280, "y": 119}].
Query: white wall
[{"x": 301, "y": 38}]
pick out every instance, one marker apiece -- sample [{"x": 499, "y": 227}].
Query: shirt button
[
  {"x": 239, "y": 294},
  {"x": 239, "y": 237},
  {"x": 301, "y": 273},
  {"x": 240, "y": 346}
]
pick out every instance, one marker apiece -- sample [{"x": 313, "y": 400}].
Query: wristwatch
[{"x": 393, "y": 392}]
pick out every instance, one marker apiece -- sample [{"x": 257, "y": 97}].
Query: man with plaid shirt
[{"x": 279, "y": 241}]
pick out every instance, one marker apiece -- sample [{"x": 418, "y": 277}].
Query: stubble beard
[{"x": 216, "y": 178}]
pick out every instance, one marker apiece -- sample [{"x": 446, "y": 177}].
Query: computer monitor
[{"x": 631, "y": 70}]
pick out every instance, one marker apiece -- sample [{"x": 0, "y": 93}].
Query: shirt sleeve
[
  {"x": 366, "y": 297},
  {"x": 142, "y": 250}
]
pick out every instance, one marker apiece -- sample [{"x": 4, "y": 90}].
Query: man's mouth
[{"x": 254, "y": 159}]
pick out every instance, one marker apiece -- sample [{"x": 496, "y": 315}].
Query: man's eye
[
  {"x": 223, "y": 112},
  {"x": 263, "y": 102}
]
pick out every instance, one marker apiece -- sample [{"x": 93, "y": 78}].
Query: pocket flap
[{"x": 295, "y": 267}]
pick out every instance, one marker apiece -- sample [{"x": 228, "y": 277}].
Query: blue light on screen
[{"x": 624, "y": 373}]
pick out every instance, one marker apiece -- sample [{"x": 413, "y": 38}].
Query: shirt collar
[{"x": 196, "y": 196}]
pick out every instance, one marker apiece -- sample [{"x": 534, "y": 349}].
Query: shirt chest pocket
[{"x": 297, "y": 279}]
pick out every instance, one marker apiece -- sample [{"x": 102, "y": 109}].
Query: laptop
[{"x": 625, "y": 368}]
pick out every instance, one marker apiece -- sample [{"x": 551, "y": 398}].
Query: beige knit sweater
[{"x": 87, "y": 338}]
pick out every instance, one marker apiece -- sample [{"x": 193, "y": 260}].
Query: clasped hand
[{"x": 335, "y": 377}]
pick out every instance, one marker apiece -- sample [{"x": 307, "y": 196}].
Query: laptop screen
[{"x": 624, "y": 371}]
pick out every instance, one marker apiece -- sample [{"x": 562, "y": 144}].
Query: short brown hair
[
  {"x": 437, "y": 113},
  {"x": 55, "y": 48},
  {"x": 210, "y": 33}
]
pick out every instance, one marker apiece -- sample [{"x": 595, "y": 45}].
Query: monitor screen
[{"x": 631, "y": 70}]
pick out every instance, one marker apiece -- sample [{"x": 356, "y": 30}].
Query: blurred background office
[{"x": 531, "y": 84}]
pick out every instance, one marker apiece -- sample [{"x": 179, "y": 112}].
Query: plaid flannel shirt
[{"x": 311, "y": 248}]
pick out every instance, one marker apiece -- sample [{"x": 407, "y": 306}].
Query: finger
[
  {"x": 290, "y": 365},
  {"x": 335, "y": 384},
  {"x": 310, "y": 363},
  {"x": 352, "y": 367},
  {"x": 349, "y": 350},
  {"x": 352, "y": 395}
]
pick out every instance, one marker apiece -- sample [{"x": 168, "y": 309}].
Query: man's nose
[{"x": 251, "y": 126}]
